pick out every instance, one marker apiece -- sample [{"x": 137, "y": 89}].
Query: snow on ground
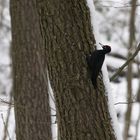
[{"x": 120, "y": 95}]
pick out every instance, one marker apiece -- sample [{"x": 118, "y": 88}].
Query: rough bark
[
  {"x": 82, "y": 112},
  {"x": 32, "y": 111}
]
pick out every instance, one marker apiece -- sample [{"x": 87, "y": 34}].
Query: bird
[{"x": 95, "y": 61}]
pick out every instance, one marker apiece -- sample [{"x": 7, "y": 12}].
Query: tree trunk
[
  {"x": 130, "y": 72},
  {"x": 82, "y": 112},
  {"x": 32, "y": 111}
]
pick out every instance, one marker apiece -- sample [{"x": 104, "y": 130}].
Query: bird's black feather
[{"x": 95, "y": 61}]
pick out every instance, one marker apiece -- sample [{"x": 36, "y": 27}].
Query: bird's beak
[{"x": 101, "y": 45}]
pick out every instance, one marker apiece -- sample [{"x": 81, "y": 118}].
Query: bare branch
[
  {"x": 124, "y": 6},
  {"x": 125, "y": 64},
  {"x": 6, "y": 102},
  {"x": 120, "y": 103},
  {"x": 5, "y": 126},
  {"x": 7, "y": 119}
]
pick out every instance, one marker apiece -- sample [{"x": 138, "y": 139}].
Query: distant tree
[
  {"x": 82, "y": 112},
  {"x": 130, "y": 70},
  {"x": 31, "y": 100}
]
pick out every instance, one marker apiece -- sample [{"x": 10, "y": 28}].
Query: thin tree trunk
[
  {"x": 129, "y": 72},
  {"x": 138, "y": 100},
  {"x": 32, "y": 111},
  {"x": 82, "y": 112},
  {"x": 137, "y": 126}
]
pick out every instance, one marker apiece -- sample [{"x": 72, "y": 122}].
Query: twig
[
  {"x": 5, "y": 126},
  {"x": 12, "y": 104},
  {"x": 118, "y": 103},
  {"x": 6, "y": 102},
  {"x": 125, "y": 64},
  {"x": 124, "y": 6},
  {"x": 7, "y": 119}
]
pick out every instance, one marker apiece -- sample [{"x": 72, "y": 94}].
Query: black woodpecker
[{"x": 95, "y": 61}]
